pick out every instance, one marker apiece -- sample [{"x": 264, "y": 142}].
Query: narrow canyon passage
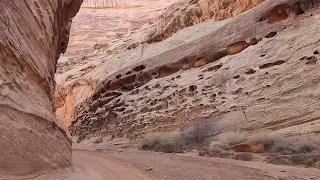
[{"x": 160, "y": 89}]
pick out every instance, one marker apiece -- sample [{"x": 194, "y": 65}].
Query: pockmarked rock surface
[
  {"x": 97, "y": 29},
  {"x": 257, "y": 71},
  {"x": 32, "y": 36},
  {"x": 189, "y": 13},
  {"x": 101, "y": 33}
]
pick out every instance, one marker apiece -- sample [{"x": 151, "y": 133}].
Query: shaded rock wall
[{"x": 32, "y": 36}]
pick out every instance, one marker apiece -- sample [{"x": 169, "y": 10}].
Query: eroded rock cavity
[{"x": 240, "y": 73}]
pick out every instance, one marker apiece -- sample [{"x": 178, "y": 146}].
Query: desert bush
[
  {"x": 216, "y": 149},
  {"x": 168, "y": 142},
  {"x": 278, "y": 144},
  {"x": 232, "y": 138},
  {"x": 243, "y": 157},
  {"x": 198, "y": 133},
  {"x": 177, "y": 141},
  {"x": 69, "y": 77},
  {"x": 98, "y": 46},
  {"x": 219, "y": 146},
  {"x": 272, "y": 143}
]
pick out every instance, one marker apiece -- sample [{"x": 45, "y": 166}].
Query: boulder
[{"x": 250, "y": 147}]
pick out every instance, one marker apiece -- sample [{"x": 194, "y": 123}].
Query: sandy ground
[{"x": 124, "y": 164}]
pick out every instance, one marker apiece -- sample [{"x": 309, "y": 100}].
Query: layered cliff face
[
  {"x": 114, "y": 30},
  {"x": 94, "y": 27},
  {"x": 192, "y": 12},
  {"x": 32, "y": 36},
  {"x": 256, "y": 71},
  {"x": 96, "y": 30}
]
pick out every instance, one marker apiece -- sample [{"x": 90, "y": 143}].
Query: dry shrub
[
  {"x": 273, "y": 144},
  {"x": 198, "y": 133},
  {"x": 216, "y": 151},
  {"x": 244, "y": 157},
  {"x": 163, "y": 142},
  {"x": 176, "y": 141},
  {"x": 232, "y": 138},
  {"x": 219, "y": 146},
  {"x": 278, "y": 144},
  {"x": 308, "y": 160}
]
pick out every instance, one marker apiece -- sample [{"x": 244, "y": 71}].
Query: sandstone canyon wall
[
  {"x": 193, "y": 12},
  {"x": 117, "y": 29},
  {"x": 257, "y": 71},
  {"x": 96, "y": 29},
  {"x": 32, "y": 36}
]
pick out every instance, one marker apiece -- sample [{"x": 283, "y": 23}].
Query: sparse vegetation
[
  {"x": 168, "y": 142},
  {"x": 98, "y": 46},
  {"x": 280, "y": 145},
  {"x": 244, "y": 157},
  {"x": 232, "y": 138},
  {"x": 198, "y": 133},
  {"x": 219, "y": 146},
  {"x": 272, "y": 144},
  {"x": 177, "y": 141},
  {"x": 69, "y": 77},
  {"x": 83, "y": 57}
]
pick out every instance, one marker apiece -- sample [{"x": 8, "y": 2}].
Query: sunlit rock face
[
  {"x": 101, "y": 24},
  {"x": 32, "y": 36},
  {"x": 189, "y": 13},
  {"x": 257, "y": 71},
  {"x": 98, "y": 24}
]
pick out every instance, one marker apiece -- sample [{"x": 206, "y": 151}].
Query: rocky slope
[
  {"x": 256, "y": 71},
  {"x": 33, "y": 34}
]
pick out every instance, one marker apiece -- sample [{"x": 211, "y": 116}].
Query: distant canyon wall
[{"x": 104, "y": 3}]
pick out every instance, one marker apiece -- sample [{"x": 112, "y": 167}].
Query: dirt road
[
  {"x": 110, "y": 164},
  {"x": 97, "y": 166}
]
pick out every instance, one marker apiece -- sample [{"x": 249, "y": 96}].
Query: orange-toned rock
[{"x": 251, "y": 147}]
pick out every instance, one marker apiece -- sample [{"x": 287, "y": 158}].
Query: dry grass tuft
[
  {"x": 233, "y": 138},
  {"x": 277, "y": 144},
  {"x": 273, "y": 144},
  {"x": 163, "y": 142}
]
